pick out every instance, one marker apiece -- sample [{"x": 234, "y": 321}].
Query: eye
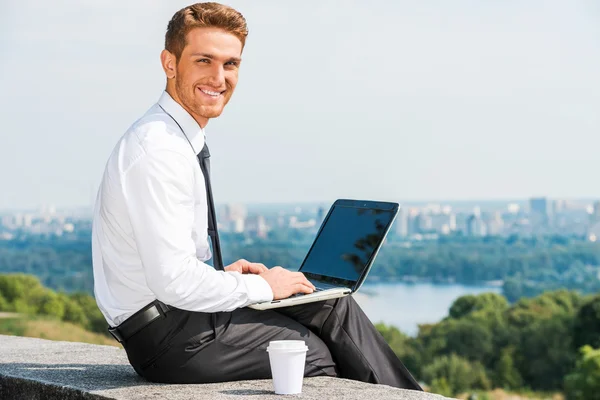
[
  {"x": 205, "y": 60},
  {"x": 231, "y": 64}
]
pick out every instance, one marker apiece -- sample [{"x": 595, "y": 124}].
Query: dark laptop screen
[{"x": 346, "y": 242}]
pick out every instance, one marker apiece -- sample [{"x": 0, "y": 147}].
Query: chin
[{"x": 210, "y": 113}]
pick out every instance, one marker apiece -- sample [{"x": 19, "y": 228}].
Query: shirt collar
[{"x": 191, "y": 129}]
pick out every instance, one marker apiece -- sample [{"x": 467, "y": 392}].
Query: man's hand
[
  {"x": 246, "y": 267},
  {"x": 285, "y": 283}
]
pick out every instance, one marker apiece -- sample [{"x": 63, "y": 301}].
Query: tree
[
  {"x": 505, "y": 374},
  {"x": 584, "y": 382},
  {"x": 468, "y": 304},
  {"x": 559, "y": 302},
  {"x": 545, "y": 353},
  {"x": 52, "y": 304},
  {"x": 4, "y": 306},
  {"x": 74, "y": 313},
  {"x": 469, "y": 339},
  {"x": 459, "y": 374},
  {"x": 587, "y": 324},
  {"x": 408, "y": 350},
  {"x": 19, "y": 286},
  {"x": 96, "y": 321},
  {"x": 441, "y": 386}
]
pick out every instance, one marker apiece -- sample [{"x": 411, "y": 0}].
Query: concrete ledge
[{"x": 43, "y": 369}]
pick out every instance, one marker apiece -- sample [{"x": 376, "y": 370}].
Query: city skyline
[
  {"x": 580, "y": 201},
  {"x": 405, "y": 101},
  {"x": 428, "y": 221}
]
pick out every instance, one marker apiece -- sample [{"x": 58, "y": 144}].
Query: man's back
[{"x": 116, "y": 256}]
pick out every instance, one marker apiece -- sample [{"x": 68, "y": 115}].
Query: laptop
[{"x": 343, "y": 251}]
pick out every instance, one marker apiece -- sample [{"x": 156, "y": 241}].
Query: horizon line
[{"x": 273, "y": 203}]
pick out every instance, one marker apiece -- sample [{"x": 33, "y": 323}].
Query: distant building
[
  {"x": 595, "y": 214},
  {"x": 320, "y": 215},
  {"x": 452, "y": 222},
  {"x": 538, "y": 208},
  {"x": 257, "y": 224},
  {"x": 413, "y": 222},
  {"x": 475, "y": 224},
  {"x": 495, "y": 226},
  {"x": 234, "y": 217},
  {"x": 402, "y": 222}
]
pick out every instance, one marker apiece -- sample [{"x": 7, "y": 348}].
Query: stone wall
[{"x": 43, "y": 369}]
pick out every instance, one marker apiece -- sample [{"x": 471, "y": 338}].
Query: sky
[{"x": 403, "y": 100}]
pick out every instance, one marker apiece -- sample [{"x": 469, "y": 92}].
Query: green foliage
[
  {"x": 74, "y": 312},
  {"x": 441, "y": 386},
  {"x": 25, "y": 294},
  {"x": 506, "y": 375},
  {"x": 584, "y": 382},
  {"x": 470, "y": 304},
  {"x": 528, "y": 344},
  {"x": 544, "y": 353},
  {"x": 52, "y": 304},
  {"x": 587, "y": 324},
  {"x": 458, "y": 373},
  {"x": 20, "y": 286},
  {"x": 528, "y": 266},
  {"x": 12, "y": 326},
  {"x": 547, "y": 305},
  {"x": 61, "y": 263},
  {"x": 470, "y": 340},
  {"x": 406, "y": 348},
  {"x": 4, "y": 304},
  {"x": 95, "y": 319}
]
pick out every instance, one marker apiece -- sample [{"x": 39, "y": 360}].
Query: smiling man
[{"x": 179, "y": 319}]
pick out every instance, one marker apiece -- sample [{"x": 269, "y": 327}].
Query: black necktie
[{"x": 204, "y": 159}]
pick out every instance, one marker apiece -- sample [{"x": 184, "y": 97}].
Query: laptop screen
[{"x": 346, "y": 242}]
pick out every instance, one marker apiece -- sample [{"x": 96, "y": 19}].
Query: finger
[
  {"x": 233, "y": 268},
  {"x": 257, "y": 268},
  {"x": 302, "y": 288},
  {"x": 300, "y": 278},
  {"x": 262, "y": 267}
]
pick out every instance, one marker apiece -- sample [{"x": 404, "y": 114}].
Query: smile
[{"x": 211, "y": 93}]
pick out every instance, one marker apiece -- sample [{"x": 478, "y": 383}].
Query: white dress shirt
[{"x": 150, "y": 227}]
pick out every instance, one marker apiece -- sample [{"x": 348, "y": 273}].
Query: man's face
[{"x": 207, "y": 72}]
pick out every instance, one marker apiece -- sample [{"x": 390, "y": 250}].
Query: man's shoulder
[{"x": 154, "y": 132}]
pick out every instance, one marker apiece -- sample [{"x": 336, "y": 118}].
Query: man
[{"x": 179, "y": 319}]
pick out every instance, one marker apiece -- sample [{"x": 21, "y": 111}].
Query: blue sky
[{"x": 385, "y": 100}]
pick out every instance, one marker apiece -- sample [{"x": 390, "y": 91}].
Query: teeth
[{"x": 210, "y": 93}]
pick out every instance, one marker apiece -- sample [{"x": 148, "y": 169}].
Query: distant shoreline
[{"x": 377, "y": 280}]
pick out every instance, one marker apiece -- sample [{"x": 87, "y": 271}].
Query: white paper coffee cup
[{"x": 287, "y": 358}]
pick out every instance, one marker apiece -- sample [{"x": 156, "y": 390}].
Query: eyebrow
[{"x": 212, "y": 57}]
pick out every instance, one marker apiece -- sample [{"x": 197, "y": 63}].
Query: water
[{"x": 405, "y": 305}]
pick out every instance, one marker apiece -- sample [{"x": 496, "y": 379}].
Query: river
[{"x": 405, "y": 305}]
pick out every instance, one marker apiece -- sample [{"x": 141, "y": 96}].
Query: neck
[{"x": 202, "y": 121}]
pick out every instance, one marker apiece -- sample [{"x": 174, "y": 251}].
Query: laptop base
[{"x": 307, "y": 298}]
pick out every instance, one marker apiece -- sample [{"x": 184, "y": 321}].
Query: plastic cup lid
[{"x": 287, "y": 345}]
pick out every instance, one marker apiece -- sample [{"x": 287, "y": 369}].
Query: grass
[{"x": 51, "y": 329}]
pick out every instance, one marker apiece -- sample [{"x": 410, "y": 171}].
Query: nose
[{"x": 217, "y": 76}]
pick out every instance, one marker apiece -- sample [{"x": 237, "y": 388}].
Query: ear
[{"x": 169, "y": 64}]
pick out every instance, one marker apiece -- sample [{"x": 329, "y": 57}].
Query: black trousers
[{"x": 193, "y": 347}]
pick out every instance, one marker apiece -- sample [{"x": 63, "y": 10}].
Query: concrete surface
[{"x": 43, "y": 369}]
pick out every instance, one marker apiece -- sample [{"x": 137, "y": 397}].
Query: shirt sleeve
[{"x": 159, "y": 196}]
